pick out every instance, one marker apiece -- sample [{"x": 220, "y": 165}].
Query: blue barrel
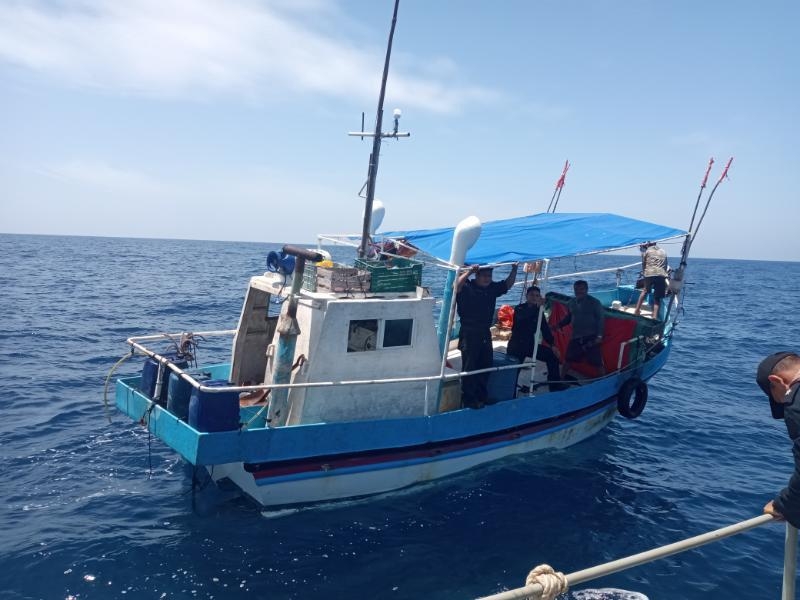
[
  {"x": 150, "y": 377},
  {"x": 179, "y": 393},
  {"x": 214, "y": 412},
  {"x": 502, "y": 385}
]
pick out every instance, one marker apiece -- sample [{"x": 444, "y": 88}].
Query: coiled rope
[{"x": 553, "y": 582}]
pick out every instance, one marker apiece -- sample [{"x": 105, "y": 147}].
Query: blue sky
[{"x": 227, "y": 120}]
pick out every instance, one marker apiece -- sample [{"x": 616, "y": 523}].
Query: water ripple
[{"x": 92, "y": 509}]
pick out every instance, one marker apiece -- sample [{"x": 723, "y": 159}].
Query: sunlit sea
[{"x": 97, "y": 509}]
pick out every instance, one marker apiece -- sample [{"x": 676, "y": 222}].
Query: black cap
[{"x": 763, "y": 372}]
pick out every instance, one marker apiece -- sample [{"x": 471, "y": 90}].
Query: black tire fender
[{"x": 633, "y": 388}]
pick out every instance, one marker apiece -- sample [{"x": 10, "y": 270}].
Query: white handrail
[
  {"x": 176, "y": 336},
  {"x": 535, "y": 590},
  {"x": 310, "y": 384}
]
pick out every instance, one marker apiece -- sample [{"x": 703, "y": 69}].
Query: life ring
[{"x": 632, "y": 387}]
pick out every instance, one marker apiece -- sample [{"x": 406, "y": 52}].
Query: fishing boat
[{"x": 353, "y": 389}]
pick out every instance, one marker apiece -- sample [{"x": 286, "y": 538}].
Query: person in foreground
[
  {"x": 778, "y": 376},
  {"x": 587, "y": 318},
  {"x": 475, "y": 301},
  {"x": 523, "y": 333},
  {"x": 654, "y": 271}
]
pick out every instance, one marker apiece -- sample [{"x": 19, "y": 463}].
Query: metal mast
[{"x": 372, "y": 173}]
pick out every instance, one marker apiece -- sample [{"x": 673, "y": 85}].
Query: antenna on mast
[{"x": 394, "y": 133}]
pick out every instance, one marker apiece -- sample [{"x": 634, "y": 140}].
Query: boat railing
[
  {"x": 622, "y": 347},
  {"x": 135, "y": 344},
  {"x": 541, "y": 585},
  {"x": 165, "y": 360}
]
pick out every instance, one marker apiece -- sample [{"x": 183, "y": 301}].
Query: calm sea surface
[{"x": 92, "y": 509}]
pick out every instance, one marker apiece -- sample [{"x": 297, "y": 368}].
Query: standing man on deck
[
  {"x": 475, "y": 301},
  {"x": 778, "y": 376},
  {"x": 654, "y": 271}
]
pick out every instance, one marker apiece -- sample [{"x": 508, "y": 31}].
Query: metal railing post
[{"x": 789, "y": 563}]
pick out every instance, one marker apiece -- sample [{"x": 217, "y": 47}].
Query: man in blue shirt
[{"x": 475, "y": 301}]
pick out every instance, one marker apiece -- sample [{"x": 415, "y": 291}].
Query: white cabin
[{"x": 344, "y": 338}]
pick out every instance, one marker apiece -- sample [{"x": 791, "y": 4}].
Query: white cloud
[
  {"x": 186, "y": 48},
  {"x": 96, "y": 174}
]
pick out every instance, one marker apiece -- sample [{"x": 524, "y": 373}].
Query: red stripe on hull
[{"x": 432, "y": 450}]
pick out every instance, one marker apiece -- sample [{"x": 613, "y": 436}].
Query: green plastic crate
[
  {"x": 400, "y": 275},
  {"x": 310, "y": 278}
]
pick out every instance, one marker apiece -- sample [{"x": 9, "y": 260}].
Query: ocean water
[{"x": 92, "y": 509}]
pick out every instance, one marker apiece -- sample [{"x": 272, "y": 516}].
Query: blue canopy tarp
[{"x": 545, "y": 235}]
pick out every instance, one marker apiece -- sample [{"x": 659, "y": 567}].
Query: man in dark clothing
[
  {"x": 475, "y": 301},
  {"x": 778, "y": 376},
  {"x": 587, "y": 318},
  {"x": 523, "y": 333}
]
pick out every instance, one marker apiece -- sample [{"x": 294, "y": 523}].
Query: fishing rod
[
  {"x": 686, "y": 242},
  {"x": 559, "y": 186},
  {"x": 711, "y": 195},
  {"x": 693, "y": 232},
  {"x": 700, "y": 193},
  {"x": 676, "y": 281}
]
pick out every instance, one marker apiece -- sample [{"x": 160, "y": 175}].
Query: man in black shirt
[
  {"x": 778, "y": 376},
  {"x": 475, "y": 301},
  {"x": 523, "y": 332}
]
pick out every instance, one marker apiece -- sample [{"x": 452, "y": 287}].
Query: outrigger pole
[
  {"x": 372, "y": 173},
  {"x": 559, "y": 186},
  {"x": 676, "y": 281}
]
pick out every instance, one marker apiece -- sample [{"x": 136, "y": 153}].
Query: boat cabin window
[
  {"x": 369, "y": 334},
  {"x": 362, "y": 335},
  {"x": 397, "y": 332}
]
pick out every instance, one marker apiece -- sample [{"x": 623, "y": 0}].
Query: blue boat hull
[{"x": 324, "y": 461}]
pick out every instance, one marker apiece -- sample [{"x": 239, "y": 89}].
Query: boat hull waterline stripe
[{"x": 266, "y": 473}]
